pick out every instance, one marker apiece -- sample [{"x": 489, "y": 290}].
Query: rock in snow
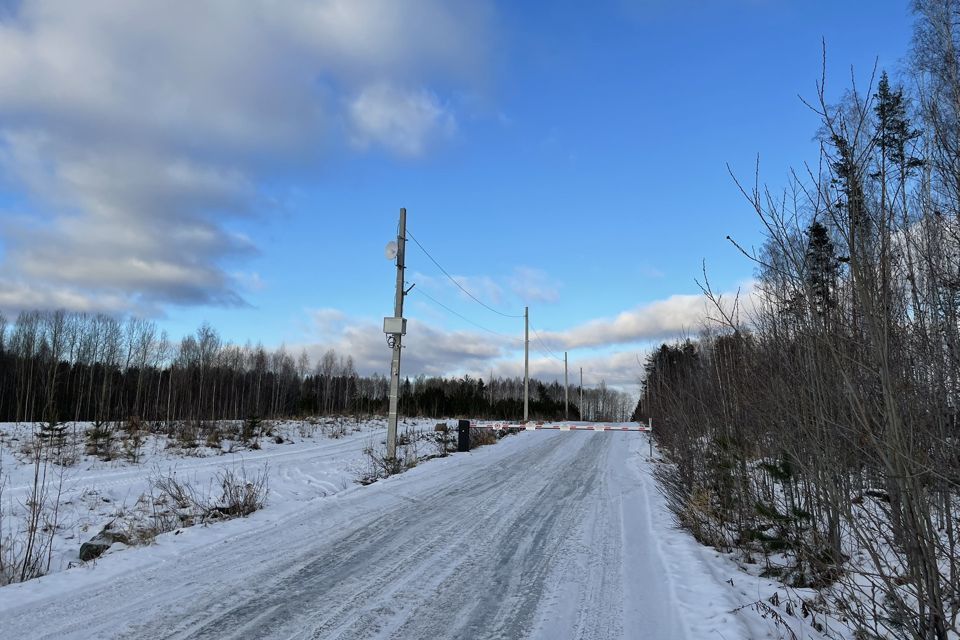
[{"x": 97, "y": 545}]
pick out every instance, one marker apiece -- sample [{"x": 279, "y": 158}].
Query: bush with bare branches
[{"x": 819, "y": 428}]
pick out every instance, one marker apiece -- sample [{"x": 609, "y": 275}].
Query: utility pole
[
  {"x": 566, "y": 390},
  {"x": 526, "y": 364},
  {"x": 490, "y": 380},
  {"x": 395, "y": 327},
  {"x": 581, "y": 393}
]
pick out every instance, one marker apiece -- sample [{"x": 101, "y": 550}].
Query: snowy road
[{"x": 545, "y": 535}]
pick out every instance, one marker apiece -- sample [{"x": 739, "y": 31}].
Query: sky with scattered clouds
[{"x": 244, "y": 165}]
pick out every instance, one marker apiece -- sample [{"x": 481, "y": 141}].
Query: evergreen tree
[
  {"x": 822, "y": 266},
  {"x": 894, "y": 131}
]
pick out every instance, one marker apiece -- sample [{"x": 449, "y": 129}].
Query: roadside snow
[{"x": 306, "y": 465}]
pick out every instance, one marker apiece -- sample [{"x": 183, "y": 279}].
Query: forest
[
  {"x": 813, "y": 425},
  {"x": 58, "y": 366}
]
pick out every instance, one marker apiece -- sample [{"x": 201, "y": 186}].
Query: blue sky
[{"x": 570, "y": 156}]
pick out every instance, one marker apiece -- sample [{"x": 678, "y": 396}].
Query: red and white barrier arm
[{"x": 540, "y": 426}]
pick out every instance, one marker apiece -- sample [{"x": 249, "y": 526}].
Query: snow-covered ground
[
  {"x": 314, "y": 459},
  {"x": 545, "y": 535}
]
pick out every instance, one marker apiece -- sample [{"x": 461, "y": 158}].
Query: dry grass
[{"x": 179, "y": 503}]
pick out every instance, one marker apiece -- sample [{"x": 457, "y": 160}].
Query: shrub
[
  {"x": 214, "y": 438},
  {"x": 252, "y": 428},
  {"x": 240, "y": 495},
  {"x": 100, "y": 440},
  {"x": 482, "y": 437},
  {"x": 133, "y": 438}
]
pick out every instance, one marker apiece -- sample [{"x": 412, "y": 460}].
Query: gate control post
[
  {"x": 463, "y": 435},
  {"x": 650, "y": 436}
]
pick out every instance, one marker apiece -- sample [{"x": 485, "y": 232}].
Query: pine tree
[
  {"x": 894, "y": 131},
  {"x": 822, "y": 266},
  {"x": 893, "y": 134}
]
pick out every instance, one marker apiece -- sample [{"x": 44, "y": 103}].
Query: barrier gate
[
  {"x": 565, "y": 426},
  {"x": 464, "y": 426}
]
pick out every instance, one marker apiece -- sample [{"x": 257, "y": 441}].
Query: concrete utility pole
[
  {"x": 395, "y": 327},
  {"x": 566, "y": 390},
  {"x": 526, "y": 364},
  {"x": 581, "y": 393}
]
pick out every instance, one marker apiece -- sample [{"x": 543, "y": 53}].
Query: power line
[
  {"x": 463, "y": 317},
  {"x": 536, "y": 335},
  {"x": 545, "y": 355},
  {"x": 542, "y": 344},
  {"x": 454, "y": 281}
]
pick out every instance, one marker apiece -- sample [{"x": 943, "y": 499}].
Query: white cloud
[
  {"x": 525, "y": 283},
  {"x": 137, "y": 131},
  {"x": 249, "y": 280},
  {"x": 534, "y": 285},
  {"x": 609, "y": 349},
  {"x": 620, "y": 370},
  {"x": 328, "y": 322},
  {"x": 401, "y": 121},
  {"x": 427, "y": 349},
  {"x": 431, "y": 350},
  {"x": 659, "y": 320},
  {"x": 17, "y": 296}
]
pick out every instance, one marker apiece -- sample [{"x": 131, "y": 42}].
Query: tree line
[
  {"x": 822, "y": 424},
  {"x": 58, "y": 366}
]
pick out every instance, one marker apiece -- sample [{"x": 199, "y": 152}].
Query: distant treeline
[{"x": 61, "y": 366}]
